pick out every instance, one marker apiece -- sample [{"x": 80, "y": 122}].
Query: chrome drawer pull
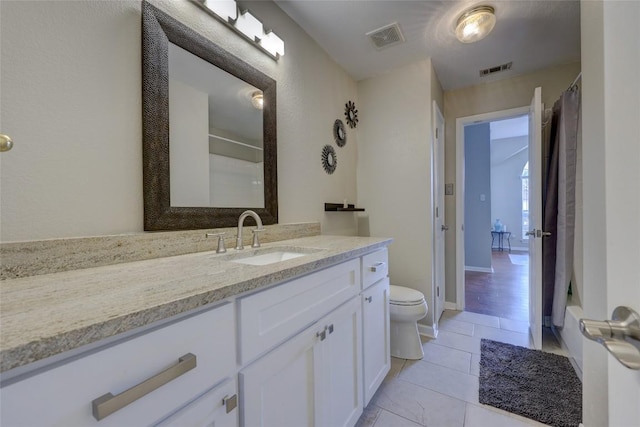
[
  {"x": 107, "y": 404},
  {"x": 376, "y": 266}
]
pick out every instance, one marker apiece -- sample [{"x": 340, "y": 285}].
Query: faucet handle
[
  {"x": 256, "y": 241},
  {"x": 221, "y": 248}
]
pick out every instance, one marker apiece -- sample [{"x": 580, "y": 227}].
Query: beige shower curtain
[{"x": 559, "y": 205}]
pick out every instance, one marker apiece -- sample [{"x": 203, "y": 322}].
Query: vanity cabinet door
[
  {"x": 375, "y": 325},
  {"x": 280, "y": 389},
  {"x": 314, "y": 379},
  {"x": 342, "y": 366}
]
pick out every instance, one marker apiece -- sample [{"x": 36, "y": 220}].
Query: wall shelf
[{"x": 339, "y": 207}]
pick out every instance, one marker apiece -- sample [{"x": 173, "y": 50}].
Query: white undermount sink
[{"x": 270, "y": 256}]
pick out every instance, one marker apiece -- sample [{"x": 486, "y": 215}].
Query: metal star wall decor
[{"x": 351, "y": 114}]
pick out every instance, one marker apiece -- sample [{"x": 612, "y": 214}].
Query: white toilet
[{"x": 406, "y": 307}]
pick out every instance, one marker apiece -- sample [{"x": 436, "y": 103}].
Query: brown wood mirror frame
[{"x": 158, "y": 29}]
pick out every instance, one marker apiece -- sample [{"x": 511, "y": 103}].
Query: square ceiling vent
[{"x": 386, "y": 36}]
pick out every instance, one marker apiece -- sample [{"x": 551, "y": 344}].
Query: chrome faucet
[{"x": 243, "y": 216}]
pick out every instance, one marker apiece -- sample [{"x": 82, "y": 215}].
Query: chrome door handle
[
  {"x": 107, "y": 404},
  {"x": 538, "y": 233},
  {"x": 444, "y": 227},
  {"x": 620, "y": 335}
]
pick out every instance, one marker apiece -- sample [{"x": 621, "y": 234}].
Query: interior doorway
[{"x": 496, "y": 215}]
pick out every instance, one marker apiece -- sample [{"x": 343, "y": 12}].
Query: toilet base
[{"x": 405, "y": 341}]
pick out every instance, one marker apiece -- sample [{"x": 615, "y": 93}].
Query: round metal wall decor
[
  {"x": 339, "y": 134},
  {"x": 329, "y": 159},
  {"x": 351, "y": 114}
]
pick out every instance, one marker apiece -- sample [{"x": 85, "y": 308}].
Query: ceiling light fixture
[
  {"x": 475, "y": 24},
  {"x": 257, "y": 100}
]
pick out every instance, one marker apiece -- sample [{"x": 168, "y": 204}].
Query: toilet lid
[{"x": 405, "y": 296}]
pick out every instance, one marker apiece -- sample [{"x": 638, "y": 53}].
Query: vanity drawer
[
  {"x": 375, "y": 266},
  {"x": 63, "y": 395},
  {"x": 271, "y": 316}
]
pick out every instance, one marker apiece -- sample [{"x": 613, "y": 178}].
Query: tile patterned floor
[{"x": 441, "y": 390}]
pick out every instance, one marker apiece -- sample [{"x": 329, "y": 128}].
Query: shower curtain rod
[{"x": 576, "y": 80}]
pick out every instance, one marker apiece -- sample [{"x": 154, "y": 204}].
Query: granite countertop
[{"x": 45, "y": 315}]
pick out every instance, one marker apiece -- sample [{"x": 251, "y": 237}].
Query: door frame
[
  {"x": 437, "y": 196},
  {"x": 461, "y": 122}
]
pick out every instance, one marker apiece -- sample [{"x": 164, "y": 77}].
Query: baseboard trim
[
  {"x": 478, "y": 269},
  {"x": 427, "y": 331},
  {"x": 520, "y": 248},
  {"x": 450, "y": 305}
]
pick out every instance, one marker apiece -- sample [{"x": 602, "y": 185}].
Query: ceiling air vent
[
  {"x": 386, "y": 36},
  {"x": 496, "y": 69}
]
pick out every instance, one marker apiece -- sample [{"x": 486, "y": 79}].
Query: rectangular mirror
[
  {"x": 208, "y": 152},
  {"x": 215, "y": 132}
]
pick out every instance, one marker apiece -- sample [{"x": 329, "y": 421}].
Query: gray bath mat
[{"x": 537, "y": 385}]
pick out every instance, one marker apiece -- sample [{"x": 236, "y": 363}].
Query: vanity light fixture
[
  {"x": 475, "y": 24},
  {"x": 225, "y": 9},
  {"x": 272, "y": 43},
  {"x": 249, "y": 25},
  {"x": 257, "y": 100},
  {"x": 245, "y": 24}
]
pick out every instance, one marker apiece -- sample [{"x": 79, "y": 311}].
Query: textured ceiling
[{"x": 534, "y": 34}]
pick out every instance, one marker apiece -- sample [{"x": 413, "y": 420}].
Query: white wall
[
  {"x": 189, "y": 164},
  {"x": 477, "y": 197},
  {"x": 71, "y": 100},
  {"x": 497, "y": 96},
  {"x": 394, "y": 171},
  {"x": 235, "y": 182}
]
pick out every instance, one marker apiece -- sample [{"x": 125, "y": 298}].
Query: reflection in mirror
[
  {"x": 215, "y": 124},
  {"x": 208, "y": 135}
]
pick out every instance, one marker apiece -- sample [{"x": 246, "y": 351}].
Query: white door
[
  {"x": 535, "y": 218},
  {"x": 611, "y": 165},
  {"x": 439, "y": 225}
]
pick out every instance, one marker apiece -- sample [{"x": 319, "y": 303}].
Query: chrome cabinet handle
[
  {"x": 376, "y": 266},
  {"x": 444, "y": 227},
  {"x": 230, "y": 403},
  {"x": 368, "y": 299},
  {"x": 107, "y": 404},
  {"x": 620, "y": 335},
  {"x": 322, "y": 335}
]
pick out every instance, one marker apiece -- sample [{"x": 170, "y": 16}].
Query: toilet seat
[{"x": 400, "y": 295}]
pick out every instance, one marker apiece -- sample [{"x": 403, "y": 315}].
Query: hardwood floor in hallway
[{"x": 503, "y": 293}]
